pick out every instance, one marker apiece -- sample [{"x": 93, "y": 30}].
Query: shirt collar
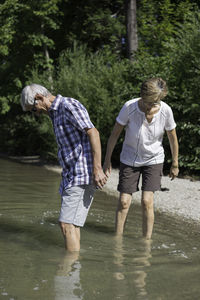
[
  {"x": 56, "y": 102},
  {"x": 143, "y": 113}
]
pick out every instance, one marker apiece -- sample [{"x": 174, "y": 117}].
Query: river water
[{"x": 34, "y": 264}]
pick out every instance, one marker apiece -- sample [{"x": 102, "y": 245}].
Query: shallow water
[{"x": 34, "y": 265}]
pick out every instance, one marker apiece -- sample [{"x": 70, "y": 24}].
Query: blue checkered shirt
[{"x": 70, "y": 118}]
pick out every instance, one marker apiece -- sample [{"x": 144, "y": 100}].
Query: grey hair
[
  {"x": 154, "y": 89},
  {"x": 29, "y": 92}
]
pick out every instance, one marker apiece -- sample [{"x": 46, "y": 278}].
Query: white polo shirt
[{"x": 143, "y": 141}]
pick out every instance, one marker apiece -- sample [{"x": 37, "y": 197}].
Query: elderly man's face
[
  {"x": 35, "y": 108},
  {"x": 41, "y": 104}
]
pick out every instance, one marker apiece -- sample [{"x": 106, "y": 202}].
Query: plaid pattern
[{"x": 70, "y": 118}]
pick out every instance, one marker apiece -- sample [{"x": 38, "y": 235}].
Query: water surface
[{"x": 34, "y": 265}]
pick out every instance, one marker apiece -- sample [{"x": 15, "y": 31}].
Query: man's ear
[{"x": 39, "y": 97}]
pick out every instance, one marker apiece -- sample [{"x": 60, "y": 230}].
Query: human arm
[
  {"x": 110, "y": 146},
  {"x": 99, "y": 177},
  {"x": 173, "y": 141}
]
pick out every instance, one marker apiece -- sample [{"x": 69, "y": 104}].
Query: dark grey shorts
[{"x": 129, "y": 178}]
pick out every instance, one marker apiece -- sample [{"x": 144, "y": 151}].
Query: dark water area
[{"x": 34, "y": 264}]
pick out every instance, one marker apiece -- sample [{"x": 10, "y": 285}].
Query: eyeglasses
[{"x": 34, "y": 109}]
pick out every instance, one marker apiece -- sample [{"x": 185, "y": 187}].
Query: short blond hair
[{"x": 154, "y": 90}]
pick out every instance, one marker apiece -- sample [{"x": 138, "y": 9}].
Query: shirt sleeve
[
  {"x": 122, "y": 118},
  {"x": 79, "y": 115},
  {"x": 169, "y": 122}
]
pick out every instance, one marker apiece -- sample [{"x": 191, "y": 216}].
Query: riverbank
[{"x": 180, "y": 197}]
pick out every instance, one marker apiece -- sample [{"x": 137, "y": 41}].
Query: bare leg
[
  {"x": 122, "y": 211},
  {"x": 71, "y": 235},
  {"x": 148, "y": 213}
]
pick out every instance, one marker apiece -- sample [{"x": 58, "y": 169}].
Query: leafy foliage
[
  {"x": 37, "y": 44},
  {"x": 157, "y": 22},
  {"x": 184, "y": 58}
]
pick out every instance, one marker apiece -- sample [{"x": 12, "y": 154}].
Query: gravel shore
[{"x": 181, "y": 197}]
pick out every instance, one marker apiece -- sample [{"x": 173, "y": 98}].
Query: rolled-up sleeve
[
  {"x": 169, "y": 122},
  {"x": 122, "y": 118}
]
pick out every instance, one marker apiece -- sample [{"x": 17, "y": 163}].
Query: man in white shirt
[{"x": 145, "y": 120}]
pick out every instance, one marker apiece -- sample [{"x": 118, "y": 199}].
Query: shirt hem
[
  {"x": 135, "y": 164},
  {"x": 120, "y": 122},
  {"x": 64, "y": 187},
  {"x": 171, "y": 128}
]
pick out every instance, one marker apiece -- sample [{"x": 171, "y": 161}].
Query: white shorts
[{"x": 75, "y": 204}]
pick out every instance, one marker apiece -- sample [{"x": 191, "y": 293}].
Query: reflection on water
[
  {"x": 67, "y": 279},
  {"x": 140, "y": 263},
  {"x": 34, "y": 265}
]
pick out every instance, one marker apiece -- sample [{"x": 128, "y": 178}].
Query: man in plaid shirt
[{"x": 79, "y": 154}]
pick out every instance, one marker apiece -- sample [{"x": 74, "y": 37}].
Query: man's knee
[
  {"x": 71, "y": 235},
  {"x": 66, "y": 227}
]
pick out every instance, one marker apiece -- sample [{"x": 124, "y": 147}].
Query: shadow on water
[
  {"x": 43, "y": 234},
  {"x": 90, "y": 226},
  {"x": 34, "y": 264}
]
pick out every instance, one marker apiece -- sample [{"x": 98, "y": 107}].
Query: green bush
[
  {"x": 183, "y": 56},
  {"x": 103, "y": 83},
  {"x": 97, "y": 81}
]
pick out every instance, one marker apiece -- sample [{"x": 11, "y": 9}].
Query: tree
[
  {"x": 131, "y": 28},
  {"x": 98, "y": 24},
  {"x": 157, "y": 22},
  {"x": 26, "y": 40}
]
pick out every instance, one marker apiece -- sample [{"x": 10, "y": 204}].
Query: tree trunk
[
  {"x": 47, "y": 58},
  {"x": 46, "y": 53},
  {"x": 131, "y": 28}
]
